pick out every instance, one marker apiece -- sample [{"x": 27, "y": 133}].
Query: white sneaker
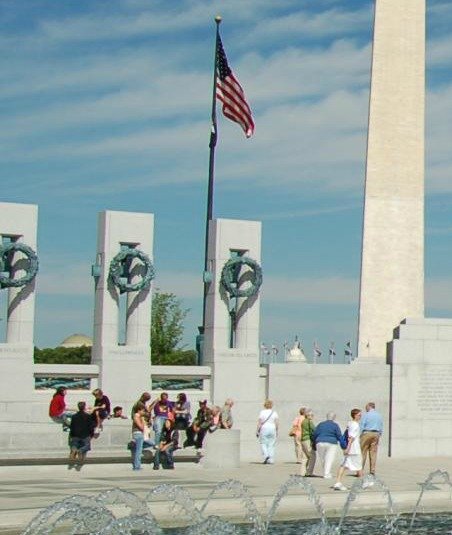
[
  {"x": 328, "y": 476},
  {"x": 368, "y": 484},
  {"x": 339, "y": 486}
]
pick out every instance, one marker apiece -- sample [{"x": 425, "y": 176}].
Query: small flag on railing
[
  {"x": 317, "y": 351},
  {"x": 348, "y": 350},
  {"x": 230, "y": 93},
  {"x": 332, "y": 352}
]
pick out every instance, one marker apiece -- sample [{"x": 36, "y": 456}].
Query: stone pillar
[
  {"x": 235, "y": 371},
  {"x": 18, "y": 222},
  {"x": 125, "y": 370},
  {"x": 392, "y": 271}
]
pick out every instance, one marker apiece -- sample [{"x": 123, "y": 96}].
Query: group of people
[
  {"x": 83, "y": 424},
  {"x": 168, "y": 419},
  {"x": 359, "y": 441},
  {"x": 164, "y": 417}
]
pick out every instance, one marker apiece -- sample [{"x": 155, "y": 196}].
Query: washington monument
[{"x": 392, "y": 271}]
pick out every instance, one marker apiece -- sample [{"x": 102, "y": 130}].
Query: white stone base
[
  {"x": 124, "y": 372},
  {"x": 421, "y": 388},
  {"x": 222, "y": 449},
  {"x": 16, "y": 371}
]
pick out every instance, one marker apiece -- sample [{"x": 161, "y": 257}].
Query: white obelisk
[{"x": 392, "y": 271}]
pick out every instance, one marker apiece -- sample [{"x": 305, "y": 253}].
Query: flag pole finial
[{"x": 218, "y": 19}]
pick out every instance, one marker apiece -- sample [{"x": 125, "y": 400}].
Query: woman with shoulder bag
[
  {"x": 267, "y": 431},
  {"x": 295, "y": 432}
]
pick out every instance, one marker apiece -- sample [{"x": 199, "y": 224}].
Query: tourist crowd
[
  {"x": 358, "y": 442},
  {"x": 156, "y": 424}
]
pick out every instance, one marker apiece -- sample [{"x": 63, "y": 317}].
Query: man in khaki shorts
[{"x": 371, "y": 429}]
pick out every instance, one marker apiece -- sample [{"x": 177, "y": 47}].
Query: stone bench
[{"x": 44, "y": 442}]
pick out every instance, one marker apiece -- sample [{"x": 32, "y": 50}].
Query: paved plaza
[{"x": 26, "y": 490}]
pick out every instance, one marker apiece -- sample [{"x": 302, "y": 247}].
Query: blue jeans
[
  {"x": 64, "y": 418},
  {"x": 138, "y": 437},
  {"x": 157, "y": 426},
  {"x": 83, "y": 445},
  {"x": 267, "y": 439}
]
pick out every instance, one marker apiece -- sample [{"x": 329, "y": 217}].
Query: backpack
[{"x": 343, "y": 441}]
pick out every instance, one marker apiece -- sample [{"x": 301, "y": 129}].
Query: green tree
[
  {"x": 167, "y": 330},
  {"x": 63, "y": 355},
  {"x": 166, "y": 323}
]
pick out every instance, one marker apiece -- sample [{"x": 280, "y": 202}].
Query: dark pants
[
  {"x": 195, "y": 437},
  {"x": 164, "y": 457}
]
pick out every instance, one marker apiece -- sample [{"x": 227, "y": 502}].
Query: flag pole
[{"x": 210, "y": 188}]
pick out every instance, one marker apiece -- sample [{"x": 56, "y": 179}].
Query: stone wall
[{"x": 421, "y": 388}]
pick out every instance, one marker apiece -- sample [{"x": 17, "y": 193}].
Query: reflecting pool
[{"x": 98, "y": 515}]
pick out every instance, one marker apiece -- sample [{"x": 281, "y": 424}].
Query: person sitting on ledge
[
  {"x": 197, "y": 430},
  {"x": 215, "y": 421},
  {"x": 101, "y": 409},
  {"x": 226, "y": 420},
  {"x": 117, "y": 413},
  {"x": 169, "y": 441},
  {"x": 57, "y": 409}
]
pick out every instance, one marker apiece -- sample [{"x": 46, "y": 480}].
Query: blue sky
[{"x": 106, "y": 104}]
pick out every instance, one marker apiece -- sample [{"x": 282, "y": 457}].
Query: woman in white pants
[
  {"x": 326, "y": 438},
  {"x": 267, "y": 431}
]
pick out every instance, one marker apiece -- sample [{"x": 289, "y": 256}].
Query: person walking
[
  {"x": 295, "y": 432},
  {"x": 307, "y": 445},
  {"x": 80, "y": 433},
  {"x": 371, "y": 429},
  {"x": 352, "y": 454},
  {"x": 139, "y": 434},
  {"x": 326, "y": 437},
  {"x": 267, "y": 431}
]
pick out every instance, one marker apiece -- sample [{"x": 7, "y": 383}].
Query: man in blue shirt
[{"x": 371, "y": 429}]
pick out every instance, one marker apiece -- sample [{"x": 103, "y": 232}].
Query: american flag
[{"x": 230, "y": 93}]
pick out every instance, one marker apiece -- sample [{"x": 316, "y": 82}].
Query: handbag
[
  {"x": 295, "y": 428},
  {"x": 343, "y": 441},
  {"x": 258, "y": 432}
]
